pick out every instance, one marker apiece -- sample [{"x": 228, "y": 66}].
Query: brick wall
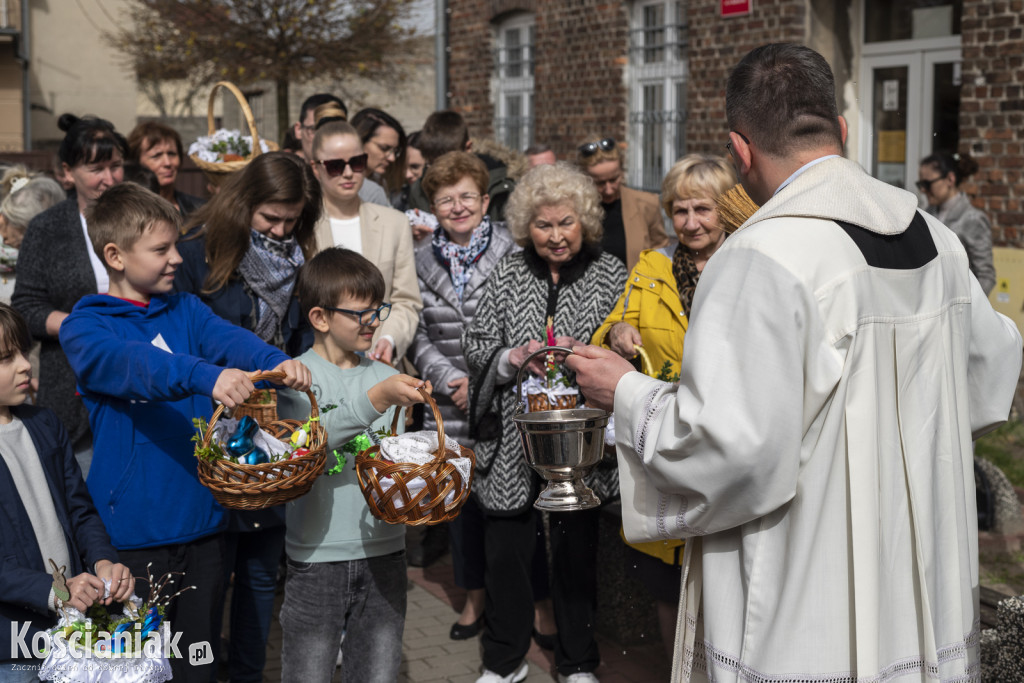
[
  {"x": 579, "y": 79},
  {"x": 716, "y": 45},
  {"x": 992, "y": 112},
  {"x": 470, "y": 63},
  {"x": 582, "y": 54}
]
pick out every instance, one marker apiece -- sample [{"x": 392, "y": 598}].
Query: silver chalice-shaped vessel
[{"x": 562, "y": 446}]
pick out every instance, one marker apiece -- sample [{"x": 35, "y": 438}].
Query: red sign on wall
[{"x": 735, "y": 8}]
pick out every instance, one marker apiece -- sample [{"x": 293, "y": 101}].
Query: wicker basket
[
  {"x": 259, "y": 410},
  {"x": 217, "y": 172},
  {"x": 387, "y": 501},
  {"x": 254, "y": 487}
]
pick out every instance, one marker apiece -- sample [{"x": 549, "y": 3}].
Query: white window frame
[
  {"x": 657, "y": 127},
  {"x": 512, "y": 87}
]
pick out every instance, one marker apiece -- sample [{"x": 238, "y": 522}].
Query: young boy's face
[
  {"x": 344, "y": 329},
  {"x": 149, "y": 265},
  {"x": 15, "y": 375}
]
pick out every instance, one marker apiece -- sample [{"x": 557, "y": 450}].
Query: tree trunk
[{"x": 282, "y": 110}]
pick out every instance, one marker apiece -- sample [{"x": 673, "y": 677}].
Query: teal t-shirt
[{"x": 332, "y": 522}]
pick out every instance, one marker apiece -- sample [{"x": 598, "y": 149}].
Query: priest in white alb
[{"x": 817, "y": 450}]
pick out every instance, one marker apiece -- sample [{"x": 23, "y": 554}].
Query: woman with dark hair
[
  {"x": 57, "y": 266},
  {"x": 384, "y": 143},
  {"x": 940, "y": 176},
  {"x": 249, "y": 243},
  {"x": 243, "y": 260},
  {"x": 157, "y": 146},
  {"x": 415, "y": 166}
]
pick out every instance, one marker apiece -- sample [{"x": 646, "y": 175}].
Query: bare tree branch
[{"x": 246, "y": 41}]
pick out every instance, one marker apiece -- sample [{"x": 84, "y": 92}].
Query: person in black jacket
[
  {"x": 46, "y": 514},
  {"x": 57, "y": 266}
]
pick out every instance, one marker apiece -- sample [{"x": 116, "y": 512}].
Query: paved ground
[{"x": 429, "y": 656}]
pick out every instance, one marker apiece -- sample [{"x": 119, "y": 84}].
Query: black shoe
[
  {"x": 546, "y": 642},
  {"x": 466, "y": 631}
]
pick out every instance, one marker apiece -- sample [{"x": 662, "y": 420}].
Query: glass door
[{"x": 910, "y": 103}]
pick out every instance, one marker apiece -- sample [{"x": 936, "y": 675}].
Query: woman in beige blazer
[{"x": 379, "y": 233}]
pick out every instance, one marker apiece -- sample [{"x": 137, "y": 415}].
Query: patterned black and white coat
[{"x": 513, "y": 309}]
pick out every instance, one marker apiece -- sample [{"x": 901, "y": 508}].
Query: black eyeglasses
[
  {"x": 728, "y": 145},
  {"x": 926, "y": 185},
  {"x": 590, "y": 148},
  {"x": 367, "y": 316},
  {"x": 335, "y": 167}
]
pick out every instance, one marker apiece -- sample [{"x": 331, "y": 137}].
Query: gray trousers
[{"x": 362, "y": 599}]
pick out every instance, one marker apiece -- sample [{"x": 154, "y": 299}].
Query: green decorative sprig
[
  {"x": 665, "y": 373},
  {"x": 208, "y": 453},
  {"x": 232, "y": 145}
]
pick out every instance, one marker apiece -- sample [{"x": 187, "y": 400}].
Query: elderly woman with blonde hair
[
  {"x": 652, "y": 314},
  {"x": 562, "y": 273}
]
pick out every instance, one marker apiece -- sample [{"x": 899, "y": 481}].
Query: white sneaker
[
  {"x": 580, "y": 677},
  {"x": 516, "y": 676}
]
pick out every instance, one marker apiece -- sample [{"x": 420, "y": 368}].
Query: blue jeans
[
  {"x": 362, "y": 599},
  {"x": 254, "y": 557},
  {"x": 26, "y": 671}
]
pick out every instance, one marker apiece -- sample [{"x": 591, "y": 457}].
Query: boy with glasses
[{"x": 346, "y": 569}]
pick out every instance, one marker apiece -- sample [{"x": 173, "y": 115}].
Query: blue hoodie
[{"x": 144, "y": 373}]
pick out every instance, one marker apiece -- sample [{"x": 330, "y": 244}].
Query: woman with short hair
[
  {"x": 30, "y": 196},
  {"x": 555, "y": 215},
  {"x": 453, "y": 267},
  {"x": 384, "y": 142},
  {"x": 157, "y": 146},
  {"x": 653, "y": 313}
]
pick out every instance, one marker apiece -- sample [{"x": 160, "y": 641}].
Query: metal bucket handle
[{"x": 519, "y": 375}]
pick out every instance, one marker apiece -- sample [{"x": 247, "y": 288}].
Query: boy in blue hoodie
[{"x": 147, "y": 362}]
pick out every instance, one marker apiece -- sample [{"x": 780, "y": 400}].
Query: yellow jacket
[{"x": 650, "y": 303}]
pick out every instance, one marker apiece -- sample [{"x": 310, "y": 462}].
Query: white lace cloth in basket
[
  {"x": 65, "y": 663},
  {"x": 418, "y": 448}
]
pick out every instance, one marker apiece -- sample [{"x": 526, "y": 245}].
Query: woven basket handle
[
  {"x": 429, "y": 400},
  {"x": 267, "y": 376},
  {"x": 246, "y": 111},
  {"x": 645, "y": 360}
]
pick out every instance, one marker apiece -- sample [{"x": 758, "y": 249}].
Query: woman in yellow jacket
[{"x": 653, "y": 312}]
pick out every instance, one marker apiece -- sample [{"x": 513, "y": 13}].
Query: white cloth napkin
[{"x": 418, "y": 448}]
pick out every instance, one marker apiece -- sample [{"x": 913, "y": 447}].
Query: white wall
[{"x": 74, "y": 68}]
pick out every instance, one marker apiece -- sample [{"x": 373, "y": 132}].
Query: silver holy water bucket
[{"x": 562, "y": 446}]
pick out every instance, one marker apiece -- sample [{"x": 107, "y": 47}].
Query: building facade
[{"x": 913, "y": 77}]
